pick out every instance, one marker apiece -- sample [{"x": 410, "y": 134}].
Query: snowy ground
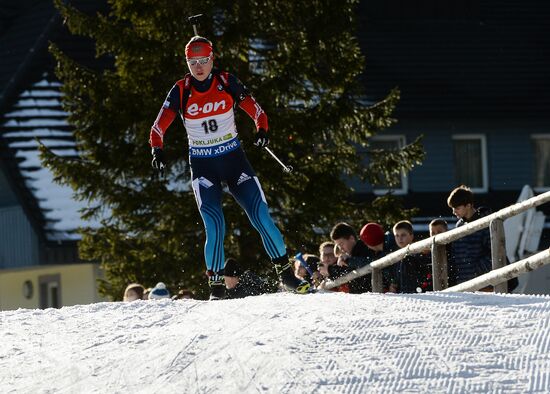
[{"x": 283, "y": 343}]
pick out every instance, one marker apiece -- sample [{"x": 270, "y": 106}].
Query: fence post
[
  {"x": 377, "y": 281},
  {"x": 498, "y": 251},
  {"x": 440, "y": 275}
]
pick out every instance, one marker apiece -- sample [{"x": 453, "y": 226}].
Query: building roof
[
  {"x": 31, "y": 113},
  {"x": 38, "y": 118}
]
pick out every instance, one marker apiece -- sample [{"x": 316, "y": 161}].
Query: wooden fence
[{"x": 438, "y": 243}]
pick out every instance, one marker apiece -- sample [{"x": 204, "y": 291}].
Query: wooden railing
[
  {"x": 500, "y": 276},
  {"x": 438, "y": 243}
]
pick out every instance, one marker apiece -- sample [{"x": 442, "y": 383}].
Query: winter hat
[
  {"x": 232, "y": 268},
  {"x": 198, "y": 47},
  {"x": 372, "y": 234},
  {"x": 159, "y": 292}
]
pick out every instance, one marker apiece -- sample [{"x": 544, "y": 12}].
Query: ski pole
[
  {"x": 285, "y": 167},
  {"x": 194, "y": 20}
]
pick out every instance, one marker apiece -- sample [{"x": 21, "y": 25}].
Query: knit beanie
[
  {"x": 159, "y": 292},
  {"x": 372, "y": 234},
  {"x": 232, "y": 268}
]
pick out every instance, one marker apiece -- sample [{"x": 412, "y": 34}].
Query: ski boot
[
  {"x": 217, "y": 285},
  {"x": 286, "y": 275}
]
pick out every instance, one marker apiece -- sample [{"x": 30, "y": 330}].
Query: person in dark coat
[
  {"x": 380, "y": 243},
  {"x": 353, "y": 254},
  {"x": 328, "y": 259},
  {"x": 472, "y": 253},
  {"x": 413, "y": 273},
  {"x": 439, "y": 226}
]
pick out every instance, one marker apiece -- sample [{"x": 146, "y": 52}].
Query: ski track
[{"x": 283, "y": 343}]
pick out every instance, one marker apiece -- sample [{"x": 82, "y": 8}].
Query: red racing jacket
[{"x": 206, "y": 108}]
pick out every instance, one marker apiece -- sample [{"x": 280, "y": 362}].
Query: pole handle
[{"x": 194, "y": 20}]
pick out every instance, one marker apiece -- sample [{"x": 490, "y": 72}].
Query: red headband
[{"x": 198, "y": 49}]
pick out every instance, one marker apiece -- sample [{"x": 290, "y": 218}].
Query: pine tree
[{"x": 302, "y": 62}]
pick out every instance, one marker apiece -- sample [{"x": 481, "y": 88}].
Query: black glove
[
  {"x": 262, "y": 139},
  {"x": 158, "y": 162}
]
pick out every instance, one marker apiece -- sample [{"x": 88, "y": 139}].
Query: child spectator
[
  {"x": 184, "y": 294},
  {"x": 159, "y": 292},
  {"x": 472, "y": 253},
  {"x": 300, "y": 271},
  {"x": 414, "y": 273},
  {"x": 133, "y": 292},
  {"x": 326, "y": 253},
  {"x": 327, "y": 263},
  {"x": 438, "y": 226},
  {"x": 381, "y": 243},
  {"x": 355, "y": 254},
  {"x": 327, "y": 258}
]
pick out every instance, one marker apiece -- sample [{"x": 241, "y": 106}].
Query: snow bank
[{"x": 283, "y": 343}]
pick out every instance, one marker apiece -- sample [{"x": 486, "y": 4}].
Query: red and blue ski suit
[{"x": 216, "y": 157}]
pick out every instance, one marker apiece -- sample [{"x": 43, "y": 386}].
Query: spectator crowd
[{"x": 348, "y": 250}]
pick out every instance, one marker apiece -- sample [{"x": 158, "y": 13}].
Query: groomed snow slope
[{"x": 283, "y": 343}]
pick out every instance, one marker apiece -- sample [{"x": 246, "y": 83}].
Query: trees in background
[{"x": 303, "y": 68}]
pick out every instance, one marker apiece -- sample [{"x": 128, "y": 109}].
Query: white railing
[{"x": 438, "y": 243}]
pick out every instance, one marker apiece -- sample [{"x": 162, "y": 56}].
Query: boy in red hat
[
  {"x": 372, "y": 234},
  {"x": 381, "y": 243}
]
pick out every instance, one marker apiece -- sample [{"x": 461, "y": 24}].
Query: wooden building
[
  {"x": 38, "y": 217},
  {"x": 474, "y": 82}
]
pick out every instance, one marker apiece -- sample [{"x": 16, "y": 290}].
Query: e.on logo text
[{"x": 194, "y": 108}]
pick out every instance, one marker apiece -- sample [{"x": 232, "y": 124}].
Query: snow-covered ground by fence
[{"x": 283, "y": 343}]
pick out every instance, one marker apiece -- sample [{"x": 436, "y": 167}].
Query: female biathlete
[{"x": 205, "y": 98}]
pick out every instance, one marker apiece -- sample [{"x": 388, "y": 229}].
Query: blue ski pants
[{"x": 232, "y": 168}]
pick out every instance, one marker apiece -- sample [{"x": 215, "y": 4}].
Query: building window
[
  {"x": 541, "y": 155},
  {"x": 470, "y": 161},
  {"x": 390, "y": 143},
  {"x": 50, "y": 291}
]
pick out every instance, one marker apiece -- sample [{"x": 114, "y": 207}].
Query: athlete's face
[{"x": 200, "y": 67}]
